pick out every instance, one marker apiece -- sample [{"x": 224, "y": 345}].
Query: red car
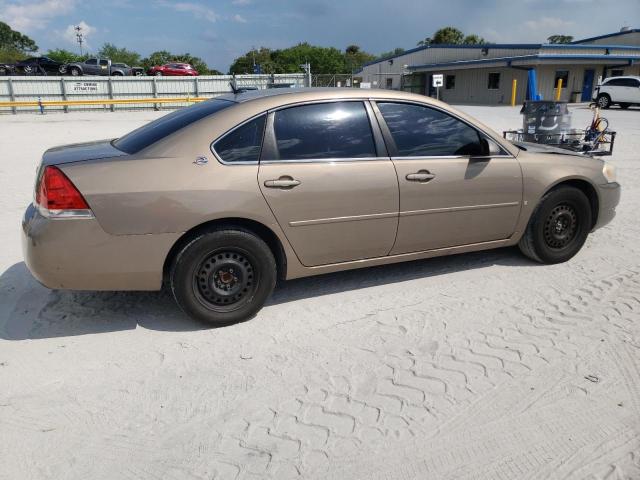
[{"x": 173, "y": 70}]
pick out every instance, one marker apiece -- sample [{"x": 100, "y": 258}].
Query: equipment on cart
[{"x": 549, "y": 123}]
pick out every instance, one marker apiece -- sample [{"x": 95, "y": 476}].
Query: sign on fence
[{"x": 84, "y": 87}]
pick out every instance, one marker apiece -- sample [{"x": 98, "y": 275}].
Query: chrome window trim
[
  {"x": 326, "y": 160},
  {"x": 375, "y": 100},
  {"x": 231, "y": 130}
]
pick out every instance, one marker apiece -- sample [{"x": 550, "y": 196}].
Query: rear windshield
[{"x": 150, "y": 133}]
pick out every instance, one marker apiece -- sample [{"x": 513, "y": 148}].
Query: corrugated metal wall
[{"x": 14, "y": 88}]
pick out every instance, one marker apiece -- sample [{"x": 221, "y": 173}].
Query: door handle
[
  {"x": 282, "y": 182},
  {"x": 420, "y": 176}
]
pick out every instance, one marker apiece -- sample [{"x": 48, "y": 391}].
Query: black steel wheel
[
  {"x": 223, "y": 276},
  {"x": 558, "y": 227}
]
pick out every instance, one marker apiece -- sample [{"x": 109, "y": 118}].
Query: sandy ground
[{"x": 476, "y": 366}]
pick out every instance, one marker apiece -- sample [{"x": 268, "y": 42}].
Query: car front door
[
  {"x": 326, "y": 176},
  {"x": 90, "y": 67},
  {"x": 453, "y": 192}
]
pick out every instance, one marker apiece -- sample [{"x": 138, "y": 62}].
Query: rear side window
[
  {"x": 242, "y": 144},
  {"x": 421, "y": 131},
  {"x": 158, "y": 129},
  {"x": 324, "y": 130}
]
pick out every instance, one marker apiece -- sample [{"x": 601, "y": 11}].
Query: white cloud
[
  {"x": 239, "y": 18},
  {"x": 69, "y": 34},
  {"x": 30, "y": 16},
  {"x": 547, "y": 23},
  {"x": 195, "y": 9}
]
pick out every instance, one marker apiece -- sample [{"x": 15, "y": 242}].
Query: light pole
[{"x": 79, "y": 36}]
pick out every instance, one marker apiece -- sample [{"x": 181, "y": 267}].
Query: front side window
[
  {"x": 561, "y": 74},
  {"x": 425, "y": 132},
  {"x": 242, "y": 144},
  {"x": 494, "y": 81},
  {"x": 92, "y": 61},
  {"x": 323, "y": 130}
]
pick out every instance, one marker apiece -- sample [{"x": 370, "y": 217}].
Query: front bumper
[
  {"x": 77, "y": 254},
  {"x": 609, "y": 197}
]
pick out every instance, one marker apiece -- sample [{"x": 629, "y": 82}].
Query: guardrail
[
  {"x": 41, "y": 104},
  {"x": 29, "y": 94}
]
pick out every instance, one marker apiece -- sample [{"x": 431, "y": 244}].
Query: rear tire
[
  {"x": 158, "y": 74},
  {"x": 604, "y": 101},
  {"x": 558, "y": 227},
  {"x": 223, "y": 276},
  {"x": 75, "y": 72}
]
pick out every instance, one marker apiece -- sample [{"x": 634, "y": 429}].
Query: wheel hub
[
  {"x": 561, "y": 226},
  {"x": 224, "y": 278}
]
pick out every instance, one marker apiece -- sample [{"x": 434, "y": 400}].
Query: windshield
[{"x": 150, "y": 133}]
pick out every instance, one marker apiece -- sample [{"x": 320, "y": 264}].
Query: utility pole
[
  {"x": 307, "y": 69},
  {"x": 79, "y": 36}
]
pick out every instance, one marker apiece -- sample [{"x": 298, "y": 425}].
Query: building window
[
  {"x": 494, "y": 81},
  {"x": 389, "y": 83},
  {"x": 450, "y": 82},
  {"x": 618, "y": 72},
  {"x": 561, "y": 74}
]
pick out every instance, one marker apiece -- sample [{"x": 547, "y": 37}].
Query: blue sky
[{"x": 221, "y": 30}]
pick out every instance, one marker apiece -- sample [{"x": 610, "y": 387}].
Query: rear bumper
[
  {"x": 77, "y": 254},
  {"x": 609, "y": 196}
]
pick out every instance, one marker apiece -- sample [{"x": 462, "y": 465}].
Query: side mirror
[{"x": 490, "y": 148}]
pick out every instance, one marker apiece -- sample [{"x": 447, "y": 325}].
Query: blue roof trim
[
  {"x": 595, "y": 45},
  {"x": 444, "y": 45},
  {"x": 508, "y": 60},
  {"x": 608, "y": 35}
]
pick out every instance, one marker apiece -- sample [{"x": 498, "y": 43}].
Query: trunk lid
[{"x": 80, "y": 152}]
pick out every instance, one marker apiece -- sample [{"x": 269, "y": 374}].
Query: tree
[
  {"x": 244, "y": 64},
  {"x": 322, "y": 59},
  {"x": 12, "y": 40},
  {"x": 65, "y": 56},
  {"x": 355, "y": 58},
  {"x": 451, "y": 36},
  {"x": 119, "y": 55},
  {"x": 474, "y": 39},
  {"x": 560, "y": 39},
  {"x": 14, "y": 46},
  {"x": 391, "y": 53}
]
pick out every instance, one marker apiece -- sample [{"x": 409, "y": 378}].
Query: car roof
[
  {"x": 318, "y": 93},
  {"x": 634, "y": 77}
]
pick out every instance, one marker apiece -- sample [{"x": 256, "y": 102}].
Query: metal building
[{"x": 484, "y": 74}]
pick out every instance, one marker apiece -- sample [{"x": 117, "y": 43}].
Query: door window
[
  {"x": 92, "y": 61},
  {"x": 324, "y": 130},
  {"x": 242, "y": 144},
  {"x": 425, "y": 132}
]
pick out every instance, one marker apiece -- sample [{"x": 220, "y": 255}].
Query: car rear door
[
  {"x": 452, "y": 192},
  {"x": 326, "y": 175}
]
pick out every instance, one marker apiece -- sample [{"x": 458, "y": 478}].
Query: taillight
[{"x": 56, "y": 192}]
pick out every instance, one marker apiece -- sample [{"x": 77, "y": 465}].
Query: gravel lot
[{"x": 478, "y": 366}]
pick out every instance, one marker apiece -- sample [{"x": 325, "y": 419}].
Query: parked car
[
  {"x": 40, "y": 66},
  {"x": 222, "y": 198},
  {"x": 98, "y": 66},
  {"x": 623, "y": 91},
  {"x": 7, "y": 69},
  {"x": 173, "y": 70}
]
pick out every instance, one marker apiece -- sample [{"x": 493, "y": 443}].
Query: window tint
[
  {"x": 494, "y": 81},
  {"x": 104, "y": 62},
  {"x": 150, "y": 133},
  {"x": 92, "y": 61},
  {"x": 242, "y": 144},
  {"x": 422, "y": 131},
  {"x": 326, "y": 130}
]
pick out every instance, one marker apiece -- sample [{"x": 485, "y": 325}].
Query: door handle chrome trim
[
  {"x": 421, "y": 176},
  {"x": 283, "y": 182}
]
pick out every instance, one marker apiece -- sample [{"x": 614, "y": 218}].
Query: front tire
[
  {"x": 604, "y": 101},
  {"x": 223, "y": 276},
  {"x": 558, "y": 227}
]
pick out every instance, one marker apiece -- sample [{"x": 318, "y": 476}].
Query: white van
[{"x": 623, "y": 91}]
